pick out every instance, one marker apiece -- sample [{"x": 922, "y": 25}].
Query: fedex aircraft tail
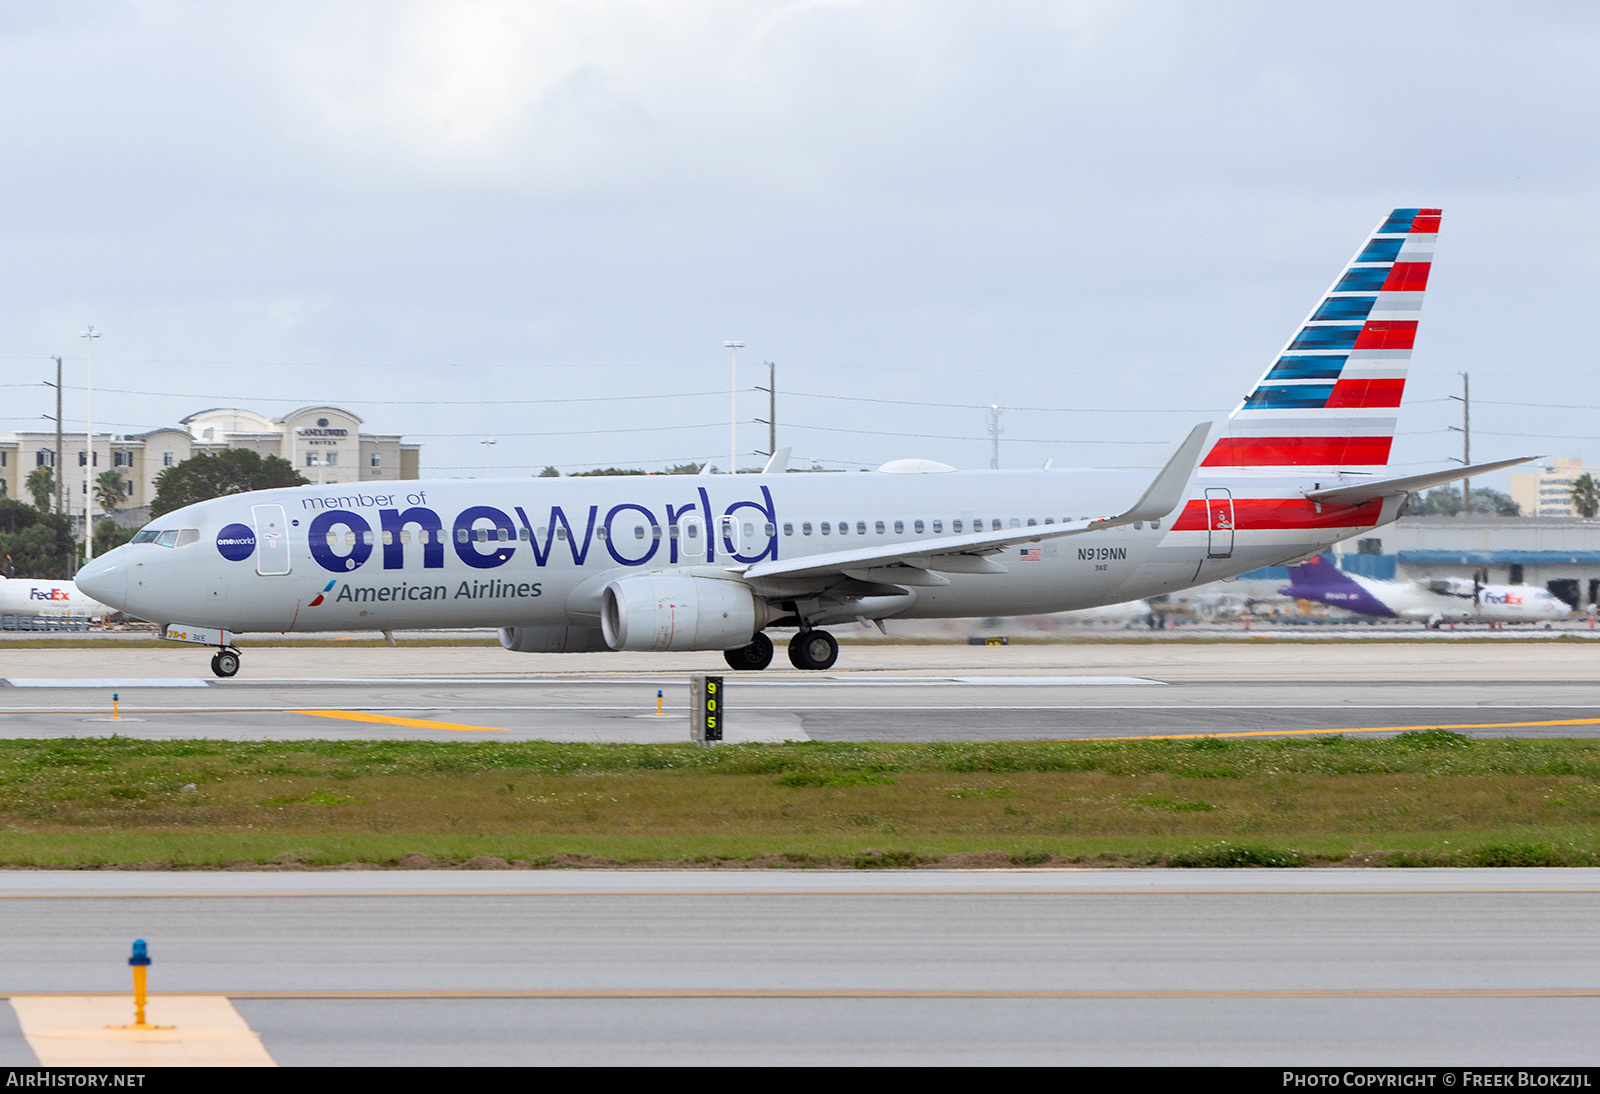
[
  {"x": 1318, "y": 572},
  {"x": 1331, "y": 398},
  {"x": 1322, "y": 581}
]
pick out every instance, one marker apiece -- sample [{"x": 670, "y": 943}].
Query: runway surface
[
  {"x": 1439, "y": 967},
  {"x": 951, "y": 693}
]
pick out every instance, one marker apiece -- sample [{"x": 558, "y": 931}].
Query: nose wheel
[
  {"x": 813, "y": 650},
  {"x": 225, "y": 662}
]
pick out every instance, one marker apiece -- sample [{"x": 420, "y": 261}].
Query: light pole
[
  {"x": 88, "y": 457},
  {"x": 772, "y": 408},
  {"x": 994, "y": 436},
  {"x": 487, "y": 443},
  {"x": 733, "y": 462},
  {"x": 1465, "y": 399},
  {"x": 59, "y": 467}
]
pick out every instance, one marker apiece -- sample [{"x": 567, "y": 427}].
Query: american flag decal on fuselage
[{"x": 1331, "y": 398}]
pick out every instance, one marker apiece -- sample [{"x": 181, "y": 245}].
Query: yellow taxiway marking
[
  {"x": 72, "y": 1031},
  {"x": 120, "y": 1002},
  {"x": 1363, "y": 729},
  {"x": 389, "y": 720}
]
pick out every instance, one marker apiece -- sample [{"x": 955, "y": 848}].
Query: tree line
[{"x": 37, "y": 542}]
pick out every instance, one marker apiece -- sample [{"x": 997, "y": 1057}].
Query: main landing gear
[
  {"x": 807, "y": 650},
  {"x": 754, "y": 657},
  {"x": 813, "y": 650},
  {"x": 225, "y": 662}
]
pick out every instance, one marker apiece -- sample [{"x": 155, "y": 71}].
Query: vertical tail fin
[
  {"x": 1330, "y": 399},
  {"x": 1318, "y": 572}
]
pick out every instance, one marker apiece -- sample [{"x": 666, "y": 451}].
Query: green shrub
[{"x": 1225, "y": 854}]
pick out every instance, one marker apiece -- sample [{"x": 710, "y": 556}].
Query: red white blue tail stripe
[{"x": 1331, "y": 397}]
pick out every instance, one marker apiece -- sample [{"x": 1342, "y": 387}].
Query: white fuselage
[
  {"x": 23, "y": 596},
  {"x": 540, "y": 552},
  {"x": 1492, "y": 603}
]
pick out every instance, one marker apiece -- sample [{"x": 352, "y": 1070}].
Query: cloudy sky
[{"x": 539, "y": 222}]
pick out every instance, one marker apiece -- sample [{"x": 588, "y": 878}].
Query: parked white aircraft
[
  {"x": 24, "y": 596},
  {"x": 1442, "y": 600},
  {"x": 710, "y": 562}
]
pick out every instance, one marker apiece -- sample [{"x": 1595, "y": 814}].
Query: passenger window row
[
  {"x": 182, "y": 537},
  {"x": 957, "y": 526}
]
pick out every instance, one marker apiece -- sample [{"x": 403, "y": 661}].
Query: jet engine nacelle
[
  {"x": 675, "y": 612},
  {"x": 553, "y": 640}
]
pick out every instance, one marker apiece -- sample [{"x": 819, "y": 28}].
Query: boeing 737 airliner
[{"x": 711, "y": 562}]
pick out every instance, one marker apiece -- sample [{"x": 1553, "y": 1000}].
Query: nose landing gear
[{"x": 225, "y": 662}]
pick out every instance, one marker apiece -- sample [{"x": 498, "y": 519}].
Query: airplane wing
[
  {"x": 964, "y": 554},
  {"x": 1359, "y": 492}
]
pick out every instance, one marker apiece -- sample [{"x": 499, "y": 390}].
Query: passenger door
[
  {"x": 1219, "y": 522},
  {"x": 272, "y": 540}
]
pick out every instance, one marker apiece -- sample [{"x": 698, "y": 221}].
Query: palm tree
[
  {"x": 108, "y": 490},
  {"x": 42, "y": 485},
  {"x": 1586, "y": 496}
]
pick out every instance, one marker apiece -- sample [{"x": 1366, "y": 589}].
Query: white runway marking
[
  {"x": 105, "y": 682},
  {"x": 1057, "y": 681},
  {"x": 653, "y": 681}
]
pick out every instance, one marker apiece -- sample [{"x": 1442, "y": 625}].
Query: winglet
[
  {"x": 778, "y": 464},
  {"x": 1164, "y": 494},
  {"x": 705, "y": 468}
]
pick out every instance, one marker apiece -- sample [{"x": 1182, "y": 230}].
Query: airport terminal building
[{"x": 324, "y": 443}]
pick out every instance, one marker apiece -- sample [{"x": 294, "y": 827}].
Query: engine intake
[{"x": 675, "y": 612}]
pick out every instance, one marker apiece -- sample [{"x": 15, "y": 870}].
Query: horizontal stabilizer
[{"x": 1356, "y": 493}]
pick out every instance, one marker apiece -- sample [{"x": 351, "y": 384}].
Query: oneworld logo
[{"x": 236, "y": 542}]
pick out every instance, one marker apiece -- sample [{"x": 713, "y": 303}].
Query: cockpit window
[
  {"x": 188, "y": 536},
  {"x": 144, "y": 535},
  {"x": 167, "y": 538}
]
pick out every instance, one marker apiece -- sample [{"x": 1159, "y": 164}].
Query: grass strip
[{"x": 1430, "y": 797}]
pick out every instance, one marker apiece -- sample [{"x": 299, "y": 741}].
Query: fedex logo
[
  {"x": 1502, "y": 598},
  {"x": 49, "y": 594}
]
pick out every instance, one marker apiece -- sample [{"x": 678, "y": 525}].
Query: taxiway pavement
[
  {"x": 1346, "y": 966},
  {"x": 875, "y": 693}
]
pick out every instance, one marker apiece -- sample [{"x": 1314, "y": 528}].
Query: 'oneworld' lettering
[{"x": 484, "y": 537}]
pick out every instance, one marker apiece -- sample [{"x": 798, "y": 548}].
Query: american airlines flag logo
[{"x": 1032, "y": 554}]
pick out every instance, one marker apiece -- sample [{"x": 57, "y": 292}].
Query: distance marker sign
[{"x": 705, "y": 705}]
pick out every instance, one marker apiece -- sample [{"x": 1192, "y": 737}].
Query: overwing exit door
[
  {"x": 1219, "y": 522},
  {"x": 692, "y": 545}
]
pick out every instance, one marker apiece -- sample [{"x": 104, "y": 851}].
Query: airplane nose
[{"x": 106, "y": 579}]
